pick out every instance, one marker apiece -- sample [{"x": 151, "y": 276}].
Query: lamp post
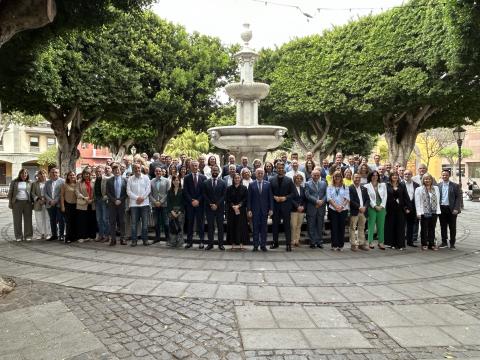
[{"x": 459, "y": 134}]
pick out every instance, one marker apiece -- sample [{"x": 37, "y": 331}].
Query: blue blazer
[
  {"x": 260, "y": 203},
  {"x": 190, "y": 192}
]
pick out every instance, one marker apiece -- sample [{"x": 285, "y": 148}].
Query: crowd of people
[{"x": 380, "y": 204}]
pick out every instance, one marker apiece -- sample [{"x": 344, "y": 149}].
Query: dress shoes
[
  {"x": 255, "y": 249},
  {"x": 209, "y": 247},
  {"x": 134, "y": 243},
  {"x": 145, "y": 243},
  {"x": 364, "y": 247},
  {"x": 273, "y": 246},
  {"x": 201, "y": 246},
  {"x": 354, "y": 248},
  {"x": 412, "y": 245},
  {"x": 156, "y": 241},
  {"x": 263, "y": 248},
  {"x": 221, "y": 247},
  {"x": 51, "y": 238},
  {"x": 112, "y": 242},
  {"x": 289, "y": 248},
  {"x": 188, "y": 246},
  {"x": 312, "y": 246},
  {"x": 320, "y": 246},
  {"x": 123, "y": 242}
]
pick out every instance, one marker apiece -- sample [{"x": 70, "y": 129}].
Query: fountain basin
[
  {"x": 247, "y": 91},
  {"x": 250, "y": 141}
]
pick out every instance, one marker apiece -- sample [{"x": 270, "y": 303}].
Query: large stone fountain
[{"x": 247, "y": 138}]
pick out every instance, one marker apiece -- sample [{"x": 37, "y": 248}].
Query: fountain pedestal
[{"x": 247, "y": 138}]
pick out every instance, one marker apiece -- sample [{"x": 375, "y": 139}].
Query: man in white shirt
[
  {"x": 138, "y": 189},
  {"x": 294, "y": 171}
]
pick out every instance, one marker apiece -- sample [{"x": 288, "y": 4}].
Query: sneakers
[
  {"x": 19, "y": 239},
  {"x": 453, "y": 247},
  {"x": 443, "y": 245},
  {"x": 28, "y": 239}
]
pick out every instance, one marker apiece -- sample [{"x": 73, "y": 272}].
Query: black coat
[
  {"x": 355, "y": 201},
  {"x": 214, "y": 196},
  {"x": 298, "y": 199},
  {"x": 287, "y": 188},
  {"x": 402, "y": 197}
]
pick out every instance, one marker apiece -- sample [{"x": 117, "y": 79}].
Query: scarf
[
  {"x": 88, "y": 186},
  {"x": 429, "y": 201}
]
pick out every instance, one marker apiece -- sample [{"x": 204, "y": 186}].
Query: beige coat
[
  {"x": 37, "y": 196},
  {"x": 82, "y": 195}
]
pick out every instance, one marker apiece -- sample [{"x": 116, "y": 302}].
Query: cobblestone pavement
[{"x": 158, "y": 303}]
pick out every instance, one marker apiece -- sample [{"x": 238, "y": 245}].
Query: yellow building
[
  {"x": 20, "y": 147},
  {"x": 470, "y": 166}
]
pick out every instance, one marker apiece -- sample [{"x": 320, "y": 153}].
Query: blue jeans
[
  {"x": 56, "y": 217},
  {"x": 101, "y": 212},
  {"x": 161, "y": 219},
  {"x": 140, "y": 213}
]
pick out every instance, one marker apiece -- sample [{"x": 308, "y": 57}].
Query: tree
[
  {"x": 80, "y": 77},
  {"x": 118, "y": 136},
  {"x": 48, "y": 157},
  {"x": 189, "y": 143},
  {"x": 20, "y": 15},
  {"x": 398, "y": 73},
  {"x": 6, "y": 120},
  {"x": 432, "y": 142},
  {"x": 451, "y": 155}
]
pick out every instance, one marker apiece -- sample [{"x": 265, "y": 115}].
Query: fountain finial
[{"x": 246, "y": 34}]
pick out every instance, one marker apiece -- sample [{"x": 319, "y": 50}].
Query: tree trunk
[
  {"x": 401, "y": 132},
  {"x": 119, "y": 150},
  {"x": 68, "y": 129},
  {"x": 19, "y": 15},
  {"x": 163, "y": 137}
]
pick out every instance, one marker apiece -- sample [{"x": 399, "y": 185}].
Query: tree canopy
[
  {"x": 400, "y": 72},
  {"x": 138, "y": 69}
]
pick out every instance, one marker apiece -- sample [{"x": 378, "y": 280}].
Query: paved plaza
[{"x": 91, "y": 301}]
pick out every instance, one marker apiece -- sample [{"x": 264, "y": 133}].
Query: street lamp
[{"x": 459, "y": 134}]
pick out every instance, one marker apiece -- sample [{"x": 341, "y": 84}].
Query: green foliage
[
  {"x": 190, "y": 143},
  {"x": 450, "y": 153},
  {"x": 356, "y": 142},
  {"x": 48, "y": 157}
]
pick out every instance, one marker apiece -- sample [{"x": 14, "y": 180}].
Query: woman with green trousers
[{"x": 377, "y": 192}]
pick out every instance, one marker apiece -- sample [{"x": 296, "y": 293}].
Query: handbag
[{"x": 174, "y": 226}]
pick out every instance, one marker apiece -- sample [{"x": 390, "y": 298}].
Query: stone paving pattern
[{"x": 159, "y": 303}]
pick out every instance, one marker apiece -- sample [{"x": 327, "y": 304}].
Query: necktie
[
  {"x": 117, "y": 187},
  {"x": 260, "y": 187},
  {"x": 214, "y": 183},
  {"x": 195, "y": 180}
]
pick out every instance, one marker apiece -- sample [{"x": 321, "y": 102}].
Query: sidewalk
[{"x": 89, "y": 301}]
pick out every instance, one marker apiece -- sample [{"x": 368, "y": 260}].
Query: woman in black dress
[
  {"x": 236, "y": 201},
  {"x": 398, "y": 204}
]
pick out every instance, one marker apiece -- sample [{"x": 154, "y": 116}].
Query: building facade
[{"x": 20, "y": 147}]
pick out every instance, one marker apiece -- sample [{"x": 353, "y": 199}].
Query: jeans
[
  {"x": 101, "y": 213},
  {"x": 161, "y": 219},
  {"x": 56, "y": 217},
  {"x": 139, "y": 213}
]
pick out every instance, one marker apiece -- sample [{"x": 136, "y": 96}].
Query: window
[
  {"x": 474, "y": 170},
  {"x": 34, "y": 141},
  {"x": 51, "y": 142}
]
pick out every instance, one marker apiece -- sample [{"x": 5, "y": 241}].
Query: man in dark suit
[
  {"x": 359, "y": 202},
  {"x": 116, "y": 189},
  {"x": 260, "y": 206},
  {"x": 411, "y": 220},
  {"x": 231, "y": 161},
  {"x": 316, "y": 194},
  {"x": 450, "y": 197},
  {"x": 351, "y": 164},
  {"x": 192, "y": 192},
  {"x": 283, "y": 189},
  {"x": 214, "y": 190},
  {"x": 154, "y": 164}
]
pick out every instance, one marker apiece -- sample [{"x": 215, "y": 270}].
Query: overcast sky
[{"x": 271, "y": 24}]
